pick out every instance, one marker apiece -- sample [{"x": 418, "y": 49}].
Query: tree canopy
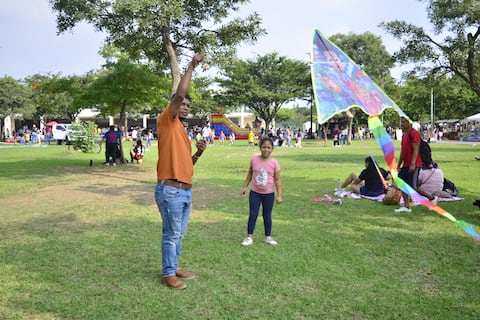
[
  {"x": 452, "y": 48},
  {"x": 264, "y": 84},
  {"x": 54, "y": 96},
  {"x": 164, "y": 31},
  {"x": 15, "y": 99},
  {"x": 126, "y": 87}
]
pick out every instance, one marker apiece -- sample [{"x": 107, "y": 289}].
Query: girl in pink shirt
[{"x": 264, "y": 173}]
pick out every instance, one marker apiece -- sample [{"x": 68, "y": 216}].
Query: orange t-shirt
[{"x": 174, "y": 149}]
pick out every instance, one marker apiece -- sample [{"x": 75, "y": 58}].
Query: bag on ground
[
  {"x": 392, "y": 197},
  {"x": 450, "y": 187}
]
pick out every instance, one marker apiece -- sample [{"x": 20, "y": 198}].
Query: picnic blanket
[
  {"x": 440, "y": 199},
  {"x": 348, "y": 194}
]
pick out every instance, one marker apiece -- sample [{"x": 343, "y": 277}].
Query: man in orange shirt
[{"x": 173, "y": 192}]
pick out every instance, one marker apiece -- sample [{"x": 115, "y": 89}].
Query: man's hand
[
  {"x": 201, "y": 146},
  {"x": 197, "y": 59}
]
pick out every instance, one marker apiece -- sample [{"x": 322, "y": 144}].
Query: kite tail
[
  {"x": 385, "y": 184},
  {"x": 385, "y": 142},
  {"x": 468, "y": 228}
]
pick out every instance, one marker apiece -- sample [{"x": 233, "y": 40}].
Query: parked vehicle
[{"x": 60, "y": 132}]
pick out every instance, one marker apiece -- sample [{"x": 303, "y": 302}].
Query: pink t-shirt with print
[{"x": 263, "y": 173}]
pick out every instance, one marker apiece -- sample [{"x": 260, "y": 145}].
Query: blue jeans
[
  {"x": 266, "y": 200},
  {"x": 174, "y": 205}
]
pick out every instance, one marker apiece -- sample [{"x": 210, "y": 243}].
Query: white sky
[{"x": 29, "y": 43}]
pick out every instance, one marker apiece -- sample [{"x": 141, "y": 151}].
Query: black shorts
[{"x": 411, "y": 178}]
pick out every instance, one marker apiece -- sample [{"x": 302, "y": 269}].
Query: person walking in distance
[
  {"x": 173, "y": 192},
  {"x": 264, "y": 173}
]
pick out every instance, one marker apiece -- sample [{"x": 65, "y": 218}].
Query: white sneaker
[
  {"x": 403, "y": 209},
  {"x": 354, "y": 196},
  {"x": 434, "y": 200},
  {"x": 247, "y": 242},
  {"x": 270, "y": 241}
]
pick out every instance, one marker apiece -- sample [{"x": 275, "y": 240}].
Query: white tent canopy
[{"x": 475, "y": 117}]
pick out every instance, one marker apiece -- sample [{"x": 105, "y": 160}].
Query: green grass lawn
[{"x": 81, "y": 242}]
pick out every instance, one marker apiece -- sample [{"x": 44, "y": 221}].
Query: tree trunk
[
  {"x": 350, "y": 127},
  {"x": 1, "y": 131},
  {"x": 123, "y": 120},
  {"x": 267, "y": 126},
  {"x": 172, "y": 57}
]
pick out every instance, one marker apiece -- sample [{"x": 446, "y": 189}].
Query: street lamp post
[
  {"x": 432, "y": 112},
  {"x": 311, "y": 100},
  {"x": 432, "y": 103}
]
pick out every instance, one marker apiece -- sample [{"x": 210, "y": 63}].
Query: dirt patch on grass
[{"x": 105, "y": 186}]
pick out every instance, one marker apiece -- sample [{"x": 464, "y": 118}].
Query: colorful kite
[{"x": 338, "y": 85}]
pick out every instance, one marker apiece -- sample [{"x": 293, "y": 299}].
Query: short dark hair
[
  {"x": 187, "y": 96},
  {"x": 112, "y": 127}
]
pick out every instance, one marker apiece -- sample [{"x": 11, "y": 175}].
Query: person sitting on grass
[
  {"x": 137, "y": 152},
  {"x": 368, "y": 183},
  {"x": 430, "y": 182}
]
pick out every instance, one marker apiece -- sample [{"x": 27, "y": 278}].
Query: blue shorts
[
  {"x": 411, "y": 178},
  {"x": 369, "y": 193}
]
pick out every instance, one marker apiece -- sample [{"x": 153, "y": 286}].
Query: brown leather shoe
[
  {"x": 173, "y": 283},
  {"x": 184, "y": 275}
]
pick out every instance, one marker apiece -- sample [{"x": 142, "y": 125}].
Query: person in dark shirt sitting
[{"x": 368, "y": 183}]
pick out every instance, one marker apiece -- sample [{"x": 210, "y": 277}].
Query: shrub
[{"x": 83, "y": 136}]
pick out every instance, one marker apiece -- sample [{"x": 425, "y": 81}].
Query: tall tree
[
  {"x": 204, "y": 103},
  {"x": 458, "y": 23},
  {"x": 369, "y": 53},
  {"x": 15, "y": 100},
  {"x": 265, "y": 84},
  {"x": 44, "y": 101},
  {"x": 54, "y": 95},
  {"x": 126, "y": 87},
  {"x": 452, "y": 98},
  {"x": 164, "y": 31}
]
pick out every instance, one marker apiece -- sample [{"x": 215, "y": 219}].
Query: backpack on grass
[{"x": 450, "y": 187}]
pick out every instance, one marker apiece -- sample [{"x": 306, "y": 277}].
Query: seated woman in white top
[{"x": 430, "y": 182}]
